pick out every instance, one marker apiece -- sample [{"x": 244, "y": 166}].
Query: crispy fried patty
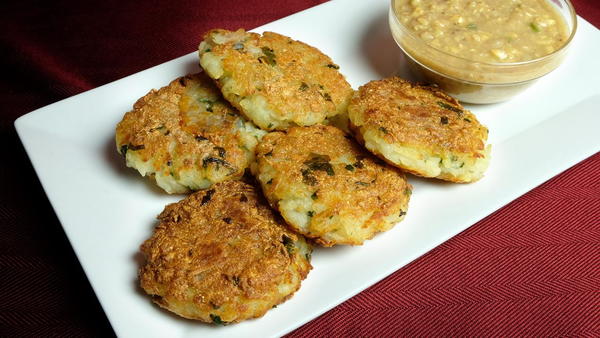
[
  {"x": 419, "y": 129},
  {"x": 185, "y": 136},
  {"x": 275, "y": 81},
  {"x": 327, "y": 187},
  {"x": 221, "y": 256}
]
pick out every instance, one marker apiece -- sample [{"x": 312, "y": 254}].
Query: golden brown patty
[
  {"x": 186, "y": 137},
  {"x": 221, "y": 256},
  {"x": 327, "y": 187},
  {"x": 419, "y": 129},
  {"x": 275, "y": 81}
]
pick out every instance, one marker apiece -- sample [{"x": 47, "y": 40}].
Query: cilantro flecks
[
  {"x": 269, "y": 56},
  {"x": 217, "y": 320},
  {"x": 320, "y": 162},
  {"x": 449, "y": 107},
  {"x": 288, "y": 243}
]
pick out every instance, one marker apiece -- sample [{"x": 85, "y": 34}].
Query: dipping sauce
[
  {"x": 486, "y": 30},
  {"x": 483, "y": 51}
]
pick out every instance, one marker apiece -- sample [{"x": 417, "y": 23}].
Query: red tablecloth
[{"x": 532, "y": 268}]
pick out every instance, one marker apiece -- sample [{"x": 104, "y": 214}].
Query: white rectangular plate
[{"x": 107, "y": 210}]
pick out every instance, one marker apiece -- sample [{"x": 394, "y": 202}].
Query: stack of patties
[
  {"x": 304, "y": 170},
  {"x": 269, "y": 104}
]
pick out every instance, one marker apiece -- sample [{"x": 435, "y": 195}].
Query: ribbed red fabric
[{"x": 530, "y": 269}]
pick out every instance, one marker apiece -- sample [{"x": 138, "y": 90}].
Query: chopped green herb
[
  {"x": 383, "y": 130},
  {"x": 200, "y": 138},
  {"x": 314, "y": 196},
  {"x": 219, "y": 162},
  {"x": 402, "y": 213},
  {"x": 449, "y": 107},
  {"x": 270, "y": 126},
  {"x": 221, "y": 151},
  {"x": 349, "y": 167},
  {"x": 326, "y": 96},
  {"x": 227, "y": 220},
  {"x": 331, "y": 65},
  {"x": 310, "y": 213},
  {"x": 169, "y": 163},
  {"x": 466, "y": 119},
  {"x": 320, "y": 162},
  {"x": 270, "y": 181},
  {"x": 364, "y": 184},
  {"x": 359, "y": 163},
  {"x": 303, "y": 86},
  {"x": 407, "y": 191},
  {"x": 288, "y": 243},
  {"x": 126, "y": 147},
  {"x": 443, "y": 120},
  {"x": 534, "y": 27},
  {"x": 235, "y": 280},
  {"x": 270, "y": 153},
  {"x": 206, "y": 198},
  {"x": 269, "y": 56},
  {"x": 238, "y": 46},
  {"x": 472, "y": 26},
  {"x": 217, "y": 320},
  {"x": 209, "y": 104},
  {"x": 207, "y": 50},
  {"x": 308, "y": 256}
]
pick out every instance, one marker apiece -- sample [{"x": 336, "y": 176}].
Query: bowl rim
[
  {"x": 572, "y": 17},
  {"x": 471, "y": 82}
]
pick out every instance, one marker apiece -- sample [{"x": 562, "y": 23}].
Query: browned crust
[
  {"x": 300, "y": 84},
  {"x": 220, "y": 252},
  {"x": 417, "y": 116},
  {"x": 160, "y": 120},
  {"x": 367, "y": 185}
]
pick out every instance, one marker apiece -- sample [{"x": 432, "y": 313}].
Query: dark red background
[{"x": 532, "y": 268}]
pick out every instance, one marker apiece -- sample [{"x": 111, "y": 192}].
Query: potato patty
[
  {"x": 275, "y": 81},
  {"x": 186, "y": 137},
  {"x": 222, "y": 256},
  {"x": 419, "y": 129},
  {"x": 327, "y": 187}
]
